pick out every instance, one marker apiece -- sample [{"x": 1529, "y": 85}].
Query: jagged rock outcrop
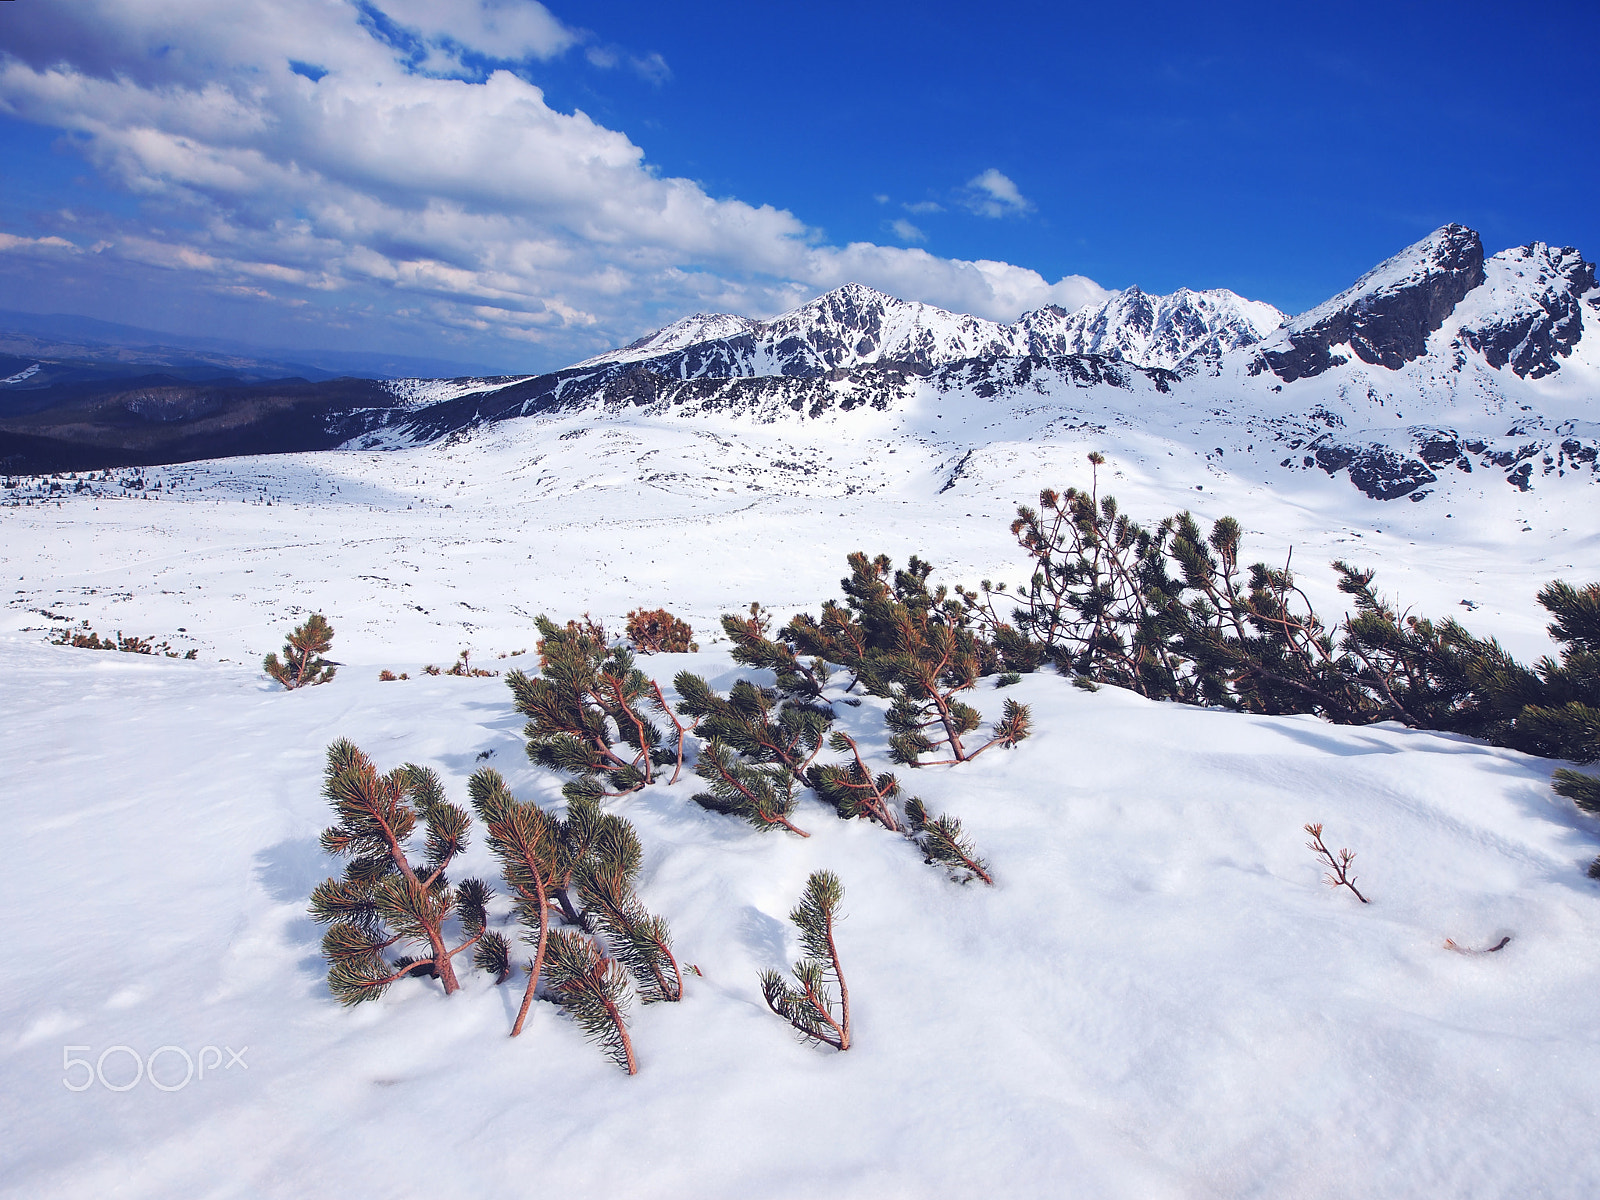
[
  {"x": 1387, "y": 316},
  {"x": 1530, "y": 312},
  {"x": 1152, "y": 330}
]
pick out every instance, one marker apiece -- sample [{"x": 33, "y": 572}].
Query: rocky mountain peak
[
  {"x": 1529, "y": 313},
  {"x": 1151, "y": 330},
  {"x": 1387, "y": 315}
]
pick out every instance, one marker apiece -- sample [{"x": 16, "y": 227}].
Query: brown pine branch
[{"x": 1338, "y": 866}]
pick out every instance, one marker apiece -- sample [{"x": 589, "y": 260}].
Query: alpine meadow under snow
[{"x": 1158, "y": 996}]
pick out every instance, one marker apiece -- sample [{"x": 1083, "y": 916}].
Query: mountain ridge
[
  {"x": 853, "y": 325},
  {"x": 1433, "y": 368}
]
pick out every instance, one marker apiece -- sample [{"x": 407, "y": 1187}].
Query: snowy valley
[{"x": 1158, "y": 996}]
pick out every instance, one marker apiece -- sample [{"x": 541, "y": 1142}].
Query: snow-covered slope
[{"x": 1159, "y": 997}]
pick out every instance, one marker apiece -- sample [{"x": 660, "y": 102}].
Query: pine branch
[
  {"x": 941, "y": 839},
  {"x": 527, "y": 845},
  {"x": 641, "y": 942},
  {"x": 762, "y": 795},
  {"x": 851, "y": 788},
  {"x": 1338, "y": 867},
  {"x": 810, "y": 1007},
  {"x": 594, "y": 991}
]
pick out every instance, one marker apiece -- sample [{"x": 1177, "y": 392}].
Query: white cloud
[
  {"x": 906, "y": 231},
  {"x": 992, "y": 194},
  {"x": 25, "y": 245},
  {"x": 503, "y": 29},
  {"x": 428, "y": 195},
  {"x": 923, "y": 206}
]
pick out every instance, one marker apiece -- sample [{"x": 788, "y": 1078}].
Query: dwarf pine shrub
[
  {"x": 586, "y": 713},
  {"x": 302, "y": 664},
  {"x": 656, "y": 631},
  {"x": 542, "y": 856},
  {"x": 384, "y": 898},
  {"x": 917, "y": 647},
  {"x": 752, "y": 647},
  {"x": 759, "y": 723}
]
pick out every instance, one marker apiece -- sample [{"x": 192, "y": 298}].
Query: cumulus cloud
[
  {"x": 992, "y": 194},
  {"x": 373, "y": 156},
  {"x": 906, "y": 231}
]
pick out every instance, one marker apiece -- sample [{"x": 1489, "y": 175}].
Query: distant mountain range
[
  {"x": 75, "y": 350},
  {"x": 1438, "y": 359},
  {"x": 855, "y": 325}
]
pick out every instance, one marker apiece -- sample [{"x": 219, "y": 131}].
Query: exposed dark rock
[
  {"x": 1442, "y": 447},
  {"x": 1375, "y": 470},
  {"x": 1387, "y": 316},
  {"x": 1544, "y": 318}
]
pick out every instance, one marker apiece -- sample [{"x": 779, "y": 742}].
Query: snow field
[
  {"x": 1158, "y": 998},
  {"x": 415, "y": 554}
]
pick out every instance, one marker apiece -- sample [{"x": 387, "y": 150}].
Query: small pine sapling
[
  {"x": 464, "y": 668},
  {"x": 594, "y": 991},
  {"x": 302, "y": 664},
  {"x": 656, "y": 631},
  {"x": 763, "y": 795},
  {"x": 527, "y": 844},
  {"x": 1338, "y": 865},
  {"x": 585, "y": 713},
  {"x": 941, "y": 840},
  {"x": 851, "y": 788},
  {"x": 383, "y": 898},
  {"x": 810, "y": 1007}
]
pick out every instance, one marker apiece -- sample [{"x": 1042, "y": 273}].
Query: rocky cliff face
[
  {"x": 1530, "y": 313},
  {"x": 1387, "y": 315}
]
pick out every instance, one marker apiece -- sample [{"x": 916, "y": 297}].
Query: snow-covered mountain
[
  {"x": 856, "y": 326},
  {"x": 1153, "y": 331},
  {"x": 1434, "y": 372}
]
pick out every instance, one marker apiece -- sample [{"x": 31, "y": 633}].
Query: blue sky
[{"x": 499, "y": 182}]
